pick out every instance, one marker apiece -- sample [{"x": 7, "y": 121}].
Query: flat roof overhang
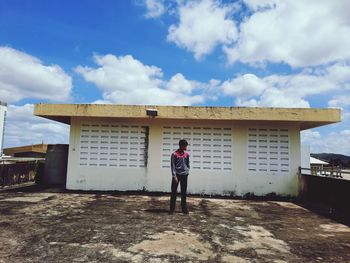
[{"x": 306, "y": 118}]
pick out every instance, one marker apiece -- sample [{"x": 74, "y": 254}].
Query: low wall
[
  {"x": 332, "y": 192},
  {"x": 17, "y": 173}
]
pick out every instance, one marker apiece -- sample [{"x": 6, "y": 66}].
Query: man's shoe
[
  {"x": 171, "y": 212},
  {"x": 185, "y": 211}
]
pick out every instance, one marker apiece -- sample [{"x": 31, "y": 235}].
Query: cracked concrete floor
[{"x": 86, "y": 227}]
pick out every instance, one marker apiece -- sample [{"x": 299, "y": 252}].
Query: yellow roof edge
[{"x": 63, "y": 112}]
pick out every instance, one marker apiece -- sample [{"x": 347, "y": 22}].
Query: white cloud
[
  {"x": 299, "y": 33},
  {"x": 125, "y": 80},
  {"x": 345, "y": 115},
  {"x": 23, "y": 128},
  {"x": 345, "y": 133},
  {"x": 24, "y": 76},
  {"x": 340, "y": 101},
  {"x": 155, "y": 8},
  {"x": 202, "y": 26},
  {"x": 334, "y": 142},
  {"x": 273, "y": 97},
  {"x": 101, "y": 102},
  {"x": 289, "y": 90},
  {"x": 308, "y": 136},
  {"x": 123, "y": 73},
  {"x": 179, "y": 84},
  {"x": 244, "y": 86},
  {"x": 256, "y": 5}
]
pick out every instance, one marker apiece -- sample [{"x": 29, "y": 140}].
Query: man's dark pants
[{"x": 182, "y": 179}]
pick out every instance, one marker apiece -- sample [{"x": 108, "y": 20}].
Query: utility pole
[{"x": 3, "y": 111}]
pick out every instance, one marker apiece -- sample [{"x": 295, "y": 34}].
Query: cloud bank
[
  {"x": 126, "y": 80},
  {"x": 25, "y": 76}
]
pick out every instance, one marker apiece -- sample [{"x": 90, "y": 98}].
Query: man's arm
[
  {"x": 188, "y": 161},
  {"x": 173, "y": 171}
]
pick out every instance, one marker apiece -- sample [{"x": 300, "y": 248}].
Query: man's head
[{"x": 183, "y": 144}]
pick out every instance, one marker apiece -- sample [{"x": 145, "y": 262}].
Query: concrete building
[
  {"x": 34, "y": 150},
  {"x": 234, "y": 151},
  {"x": 317, "y": 163},
  {"x": 3, "y": 110}
]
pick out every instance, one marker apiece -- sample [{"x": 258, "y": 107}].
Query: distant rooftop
[
  {"x": 314, "y": 160},
  {"x": 37, "y": 148}
]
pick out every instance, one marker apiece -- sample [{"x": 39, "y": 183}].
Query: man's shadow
[{"x": 156, "y": 210}]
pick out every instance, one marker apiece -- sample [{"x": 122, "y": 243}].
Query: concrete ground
[{"x": 48, "y": 226}]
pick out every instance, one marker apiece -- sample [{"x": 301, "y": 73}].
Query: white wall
[
  {"x": 3, "y": 110},
  {"x": 305, "y": 158},
  {"x": 99, "y": 178},
  {"x": 262, "y": 183},
  {"x": 199, "y": 181},
  {"x": 154, "y": 178}
]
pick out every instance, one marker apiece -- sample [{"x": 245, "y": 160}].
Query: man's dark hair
[{"x": 183, "y": 143}]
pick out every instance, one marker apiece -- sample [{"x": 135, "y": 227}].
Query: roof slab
[{"x": 306, "y": 118}]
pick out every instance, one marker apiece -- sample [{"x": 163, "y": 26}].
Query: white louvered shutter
[
  {"x": 210, "y": 148},
  {"x": 268, "y": 150},
  {"x": 112, "y": 145}
]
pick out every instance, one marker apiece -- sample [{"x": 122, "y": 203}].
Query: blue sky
[{"x": 266, "y": 53}]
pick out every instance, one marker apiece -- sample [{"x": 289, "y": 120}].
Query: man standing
[{"x": 180, "y": 167}]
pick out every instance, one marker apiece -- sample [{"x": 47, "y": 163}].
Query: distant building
[
  {"x": 233, "y": 151},
  {"x": 319, "y": 167},
  {"x": 34, "y": 150},
  {"x": 3, "y": 110},
  {"x": 317, "y": 163}
]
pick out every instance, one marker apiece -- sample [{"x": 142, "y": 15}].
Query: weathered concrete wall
[
  {"x": 17, "y": 173},
  {"x": 101, "y": 178},
  {"x": 332, "y": 192},
  {"x": 154, "y": 178},
  {"x": 159, "y": 179},
  {"x": 263, "y": 183}
]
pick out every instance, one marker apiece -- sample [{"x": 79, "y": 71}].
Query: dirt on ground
[{"x": 49, "y": 226}]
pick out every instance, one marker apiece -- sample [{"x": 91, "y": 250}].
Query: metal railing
[{"x": 332, "y": 172}]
